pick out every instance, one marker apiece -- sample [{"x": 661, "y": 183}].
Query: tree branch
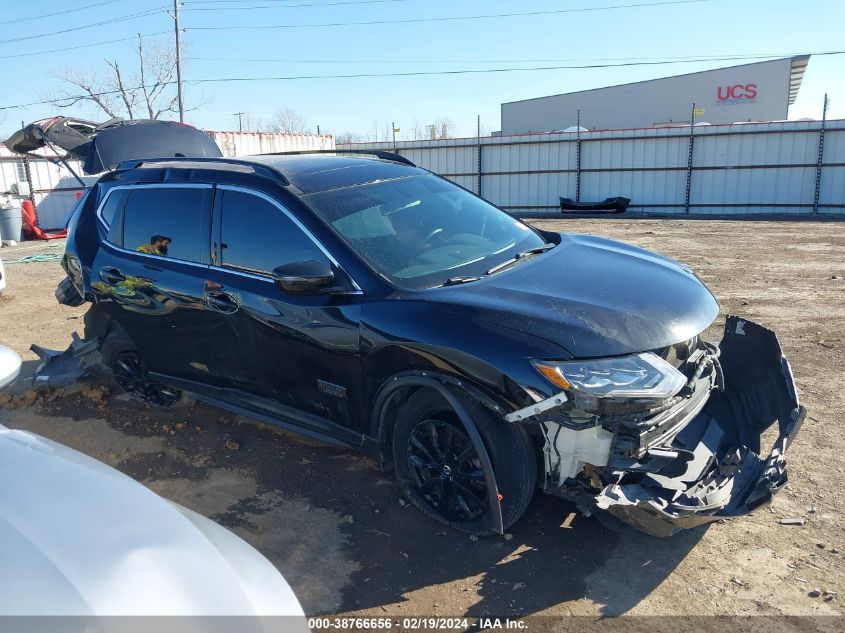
[
  {"x": 144, "y": 92},
  {"x": 124, "y": 93}
]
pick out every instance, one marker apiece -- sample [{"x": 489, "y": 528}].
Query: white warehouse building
[{"x": 762, "y": 91}]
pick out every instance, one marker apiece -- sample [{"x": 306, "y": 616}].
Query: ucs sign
[{"x": 736, "y": 93}]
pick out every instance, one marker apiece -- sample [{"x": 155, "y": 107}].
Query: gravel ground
[{"x": 334, "y": 524}]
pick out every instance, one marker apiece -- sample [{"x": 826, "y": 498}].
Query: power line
[
  {"x": 153, "y": 11},
  {"x": 73, "y": 48},
  {"x": 448, "y": 18},
  {"x": 471, "y": 71},
  {"x": 124, "y": 18},
  {"x": 290, "y": 6},
  {"x": 229, "y": 1},
  {"x": 415, "y": 74},
  {"x": 674, "y": 58},
  {"x": 50, "y": 15}
]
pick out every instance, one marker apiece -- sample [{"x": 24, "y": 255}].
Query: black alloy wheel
[
  {"x": 439, "y": 468},
  {"x": 446, "y": 470},
  {"x": 130, "y": 374}
]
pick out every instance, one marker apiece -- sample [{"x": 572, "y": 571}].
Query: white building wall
[
  {"x": 54, "y": 188},
  {"x": 661, "y": 101}
]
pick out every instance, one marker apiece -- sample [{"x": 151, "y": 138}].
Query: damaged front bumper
[{"x": 710, "y": 467}]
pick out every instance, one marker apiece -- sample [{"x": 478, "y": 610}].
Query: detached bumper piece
[
  {"x": 59, "y": 369},
  {"x": 608, "y": 205},
  {"x": 718, "y": 472}
]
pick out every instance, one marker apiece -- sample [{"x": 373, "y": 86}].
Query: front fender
[{"x": 400, "y": 336}]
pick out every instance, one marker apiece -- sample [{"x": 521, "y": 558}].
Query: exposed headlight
[{"x": 641, "y": 376}]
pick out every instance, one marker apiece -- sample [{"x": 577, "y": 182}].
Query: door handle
[
  {"x": 112, "y": 275},
  {"x": 221, "y": 302}
]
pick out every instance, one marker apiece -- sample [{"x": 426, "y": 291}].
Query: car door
[
  {"x": 294, "y": 353},
  {"x": 157, "y": 294}
]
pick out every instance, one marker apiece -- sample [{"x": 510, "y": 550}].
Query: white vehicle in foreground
[{"x": 78, "y": 538}]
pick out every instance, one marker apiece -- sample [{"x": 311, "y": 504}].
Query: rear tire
[
  {"x": 127, "y": 366},
  {"x": 440, "y": 473}
]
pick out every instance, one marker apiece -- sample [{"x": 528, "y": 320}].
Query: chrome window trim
[
  {"x": 268, "y": 278},
  {"x": 154, "y": 185},
  {"x": 157, "y": 258},
  {"x": 295, "y": 220}
]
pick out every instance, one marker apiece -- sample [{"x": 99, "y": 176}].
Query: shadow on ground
[{"x": 334, "y": 525}]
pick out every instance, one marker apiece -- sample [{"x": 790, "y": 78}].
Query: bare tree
[
  {"x": 381, "y": 131},
  {"x": 486, "y": 129},
  {"x": 444, "y": 128},
  {"x": 344, "y": 138},
  {"x": 251, "y": 123},
  {"x": 288, "y": 121},
  {"x": 419, "y": 131},
  {"x": 146, "y": 90}
]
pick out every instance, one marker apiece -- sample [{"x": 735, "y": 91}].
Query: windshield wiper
[
  {"x": 531, "y": 251},
  {"x": 454, "y": 281},
  {"x": 457, "y": 280}
]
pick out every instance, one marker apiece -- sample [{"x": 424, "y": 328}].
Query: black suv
[{"x": 363, "y": 300}]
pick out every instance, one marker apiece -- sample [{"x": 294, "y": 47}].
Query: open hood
[{"x": 103, "y": 146}]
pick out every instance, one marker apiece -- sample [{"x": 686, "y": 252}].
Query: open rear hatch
[{"x": 103, "y": 146}]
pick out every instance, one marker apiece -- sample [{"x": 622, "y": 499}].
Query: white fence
[
  {"x": 759, "y": 168},
  {"x": 248, "y": 143}
]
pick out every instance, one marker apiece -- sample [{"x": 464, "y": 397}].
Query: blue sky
[{"x": 707, "y": 28}]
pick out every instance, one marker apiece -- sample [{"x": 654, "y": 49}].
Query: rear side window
[
  {"x": 258, "y": 236},
  {"x": 167, "y": 222}
]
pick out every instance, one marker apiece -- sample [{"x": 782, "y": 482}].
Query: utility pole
[
  {"x": 240, "y": 121},
  {"x": 178, "y": 61}
]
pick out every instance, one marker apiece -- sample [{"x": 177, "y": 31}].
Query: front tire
[{"x": 441, "y": 474}]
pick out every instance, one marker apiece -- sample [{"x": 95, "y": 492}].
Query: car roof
[{"x": 312, "y": 173}]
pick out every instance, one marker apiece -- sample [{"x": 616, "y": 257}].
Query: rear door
[
  {"x": 149, "y": 274},
  {"x": 295, "y": 353}
]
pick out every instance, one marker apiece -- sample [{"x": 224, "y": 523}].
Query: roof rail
[
  {"x": 378, "y": 153},
  {"x": 259, "y": 168}
]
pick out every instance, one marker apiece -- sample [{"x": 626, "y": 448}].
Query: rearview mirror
[{"x": 303, "y": 277}]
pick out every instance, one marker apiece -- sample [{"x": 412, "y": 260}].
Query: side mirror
[{"x": 303, "y": 277}]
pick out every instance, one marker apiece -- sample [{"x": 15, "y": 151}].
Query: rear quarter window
[{"x": 113, "y": 204}]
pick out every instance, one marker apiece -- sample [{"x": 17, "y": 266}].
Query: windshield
[{"x": 420, "y": 231}]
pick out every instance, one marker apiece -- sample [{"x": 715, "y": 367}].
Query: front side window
[
  {"x": 167, "y": 222},
  {"x": 257, "y": 236},
  {"x": 421, "y": 230}
]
